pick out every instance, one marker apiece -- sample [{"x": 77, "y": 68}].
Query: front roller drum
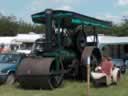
[
  {"x": 39, "y": 73},
  {"x": 44, "y": 82}
]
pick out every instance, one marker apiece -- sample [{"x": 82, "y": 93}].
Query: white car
[
  {"x": 102, "y": 78},
  {"x": 24, "y": 51}
]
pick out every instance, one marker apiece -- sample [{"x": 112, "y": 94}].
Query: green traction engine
[{"x": 58, "y": 55}]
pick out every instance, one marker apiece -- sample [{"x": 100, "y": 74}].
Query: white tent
[
  {"x": 109, "y": 40},
  {"x": 112, "y": 40},
  {"x": 30, "y": 38},
  {"x": 6, "y": 40},
  {"x": 25, "y": 41}
]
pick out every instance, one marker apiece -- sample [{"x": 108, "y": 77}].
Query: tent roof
[
  {"x": 6, "y": 40},
  {"x": 111, "y": 40},
  {"x": 28, "y": 37}
]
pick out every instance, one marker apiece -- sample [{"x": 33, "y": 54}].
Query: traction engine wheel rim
[
  {"x": 75, "y": 68},
  {"x": 55, "y": 80},
  {"x": 80, "y": 41}
]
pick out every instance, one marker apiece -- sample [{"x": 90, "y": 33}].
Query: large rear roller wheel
[
  {"x": 95, "y": 55},
  {"x": 74, "y": 69}
]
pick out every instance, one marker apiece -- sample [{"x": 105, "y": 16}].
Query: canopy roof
[
  {"x": 73, "y": 17},
  {"x": 109, "y": 40},
  {"x": 6, "y": 40},
  {"x": 30, "y": 38},
  {"x": 113, "y": 40}
]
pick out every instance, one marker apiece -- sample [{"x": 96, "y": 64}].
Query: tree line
[
  {"x": 120, "y": 29},
  {"x": 10, "y": 26}
]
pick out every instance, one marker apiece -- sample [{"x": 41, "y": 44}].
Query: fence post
[{"x": 88, "y": 76}]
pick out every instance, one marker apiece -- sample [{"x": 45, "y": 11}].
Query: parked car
[
  {"x": 8, "y": 64},
  {"x": 120, "y": 64}
]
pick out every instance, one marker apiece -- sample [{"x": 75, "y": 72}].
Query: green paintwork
[
  {"x": 61, "y": 18},
  {"x": 81, "y": 19},
  {"x": 87, "y": 22},
  {"x": 61, "y": 52},
  {"x": 39, "y": 16},
  {"x": 55, "y": 16},
  {"x": 58, "y": 55}
]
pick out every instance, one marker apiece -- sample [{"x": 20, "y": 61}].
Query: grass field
[{"x": 70, "y": 88}]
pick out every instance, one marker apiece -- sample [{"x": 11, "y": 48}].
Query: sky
[{"x": 112, "y": 10}]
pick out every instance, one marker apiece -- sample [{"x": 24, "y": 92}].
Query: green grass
[{"x": 70, "y": 88}]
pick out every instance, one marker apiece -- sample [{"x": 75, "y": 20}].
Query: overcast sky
[{"x": 112, "y": 10}]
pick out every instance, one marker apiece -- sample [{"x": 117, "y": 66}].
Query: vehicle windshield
[{"x": 9, "y": 58}]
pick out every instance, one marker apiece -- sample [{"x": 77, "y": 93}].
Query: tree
[
  {"x": 9, "y": 26},
  {"x": 121, "y": 29}
]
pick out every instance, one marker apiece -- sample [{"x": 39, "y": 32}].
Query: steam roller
[{"x": 60, "y": 54}]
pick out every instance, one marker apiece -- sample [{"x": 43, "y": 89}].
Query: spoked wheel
[
  {"x": 74, "y": 68},
  {"x": 56, "y": 80},
  {"x": 56, "y": 77},
  {"x": 80, "y": 41}
]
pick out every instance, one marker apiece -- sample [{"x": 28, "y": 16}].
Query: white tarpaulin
[
  {"x": 6, "y": 40},
  {"x": 27, "y": 37},
  {"x": 111, "y": 40}
]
